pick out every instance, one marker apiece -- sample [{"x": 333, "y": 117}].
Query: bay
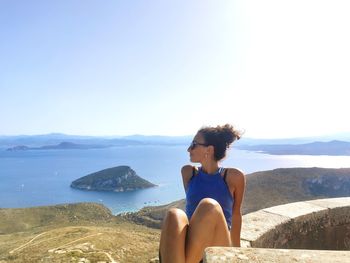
[{"x": 43, "y": 177}]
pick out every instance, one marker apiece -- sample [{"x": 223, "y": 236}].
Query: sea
[{"x": 43, "y": 177}]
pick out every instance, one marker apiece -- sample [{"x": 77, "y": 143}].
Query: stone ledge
[
  {"x": 311, "y": 224},
  {"x": 294, "y": 210},
  {"x": 331, "y": 202},
  {"x": 258, "y": 224},
  {"x": 262, "y": 255},
  {"x": 281, "y": 226}
]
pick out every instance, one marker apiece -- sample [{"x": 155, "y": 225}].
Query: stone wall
[
  {"x": 316, "y": 224},
  {"x": 268, "y": 255},
  {"x": 322, "y": 224}
]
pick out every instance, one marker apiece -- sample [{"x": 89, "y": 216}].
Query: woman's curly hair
[{"x": 221, "y": 137}]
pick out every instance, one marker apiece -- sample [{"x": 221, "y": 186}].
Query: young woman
[{"x": 213, "y": 201}]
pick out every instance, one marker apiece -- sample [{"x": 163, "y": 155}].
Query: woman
[{"x": 213, "y": 200}]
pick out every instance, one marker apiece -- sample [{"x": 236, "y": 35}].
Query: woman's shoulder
[
  {"x": 234, "y": 171},
  {"x": 234, "y": 175},
  {"x": 187, "y": 170}
]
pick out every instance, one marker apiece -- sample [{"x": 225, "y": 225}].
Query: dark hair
[{"x": 221, "y": 137}]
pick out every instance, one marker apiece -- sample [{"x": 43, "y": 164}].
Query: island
[{"x": 115, "y": 179}]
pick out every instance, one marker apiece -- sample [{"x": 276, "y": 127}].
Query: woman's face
[{"x": 198, "y": 149}]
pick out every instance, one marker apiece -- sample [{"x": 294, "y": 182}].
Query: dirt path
[
  {"x": 26, "y": 244},
  {"x": 97, "y": 251},
  {"x": 66, "y": 245},
  {"x": 53, "y": 249}
]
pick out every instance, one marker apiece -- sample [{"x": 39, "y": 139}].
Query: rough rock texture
[
  {"x": 328, "y": 185},
  {"x": 231, "y": 255}
]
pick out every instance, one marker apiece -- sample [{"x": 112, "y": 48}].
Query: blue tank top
[{"x": 213, "y": 186}]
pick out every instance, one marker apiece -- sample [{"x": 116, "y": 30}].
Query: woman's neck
[{"x": 210, "y": 167}]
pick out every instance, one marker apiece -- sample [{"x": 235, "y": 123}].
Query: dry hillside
[{"x": 83, "y": 232}]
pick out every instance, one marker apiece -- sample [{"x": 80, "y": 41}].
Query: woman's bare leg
[
  {"x": 207, "y": 227},
  {"x": 173, "y": 236}
]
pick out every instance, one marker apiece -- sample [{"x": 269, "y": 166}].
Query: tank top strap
[
  {"x": 221, "y": 171},
  {"x": 193, "y": 172},
  {"x": 225, "y": 175}
]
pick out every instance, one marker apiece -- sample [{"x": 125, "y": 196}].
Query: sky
[{"x": 273, "y": 68}]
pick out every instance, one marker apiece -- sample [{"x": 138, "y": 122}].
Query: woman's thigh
[
  {"x": 173, "y": 235},
  {"x": 207, "y": 227}
]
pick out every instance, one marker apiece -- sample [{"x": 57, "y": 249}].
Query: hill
[
  {"x": 117, "y": 179},
  {"x": 152, "y": 216},
  {"x": 315, "y": 148},
  {"x": 53, "y": 139},
  {"x": 285, "y": 185},
  {"x": 22, "y": 219},
  {"x": 84, "y": 232},
  {"x": 270, "y": 188}
]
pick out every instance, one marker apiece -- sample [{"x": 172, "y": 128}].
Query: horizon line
[{"x": 158, "y": 135}]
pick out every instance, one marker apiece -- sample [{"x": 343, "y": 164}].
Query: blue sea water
[{"x": 43, "y": 177}]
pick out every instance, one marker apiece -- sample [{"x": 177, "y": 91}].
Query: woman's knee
[
  {"x": 209, "y": 204},
  {"x": 175, "y": 218}
]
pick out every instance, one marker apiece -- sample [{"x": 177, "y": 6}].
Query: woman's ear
[{"x": 211, "y": 150}]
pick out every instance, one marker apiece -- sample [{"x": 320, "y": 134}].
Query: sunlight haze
[{"x": 274, "y": 68}]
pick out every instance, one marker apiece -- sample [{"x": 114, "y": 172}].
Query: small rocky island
[{"x": 116, "y": 179}]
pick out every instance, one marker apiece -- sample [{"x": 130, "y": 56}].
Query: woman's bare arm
[
  {"x": 186, "y": 172},
  {"x": 236, "y": 182}
]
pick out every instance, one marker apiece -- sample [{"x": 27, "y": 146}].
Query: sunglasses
[{"x": 194, "y": 144}]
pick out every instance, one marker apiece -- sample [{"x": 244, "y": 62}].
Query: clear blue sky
[{"x": 273, "y": 68}]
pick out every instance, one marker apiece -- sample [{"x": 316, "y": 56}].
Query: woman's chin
[{"x": 193, "y": 160}]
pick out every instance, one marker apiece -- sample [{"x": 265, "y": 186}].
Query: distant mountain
[
  {"x": 160, "y": 139},
  {"x": 71, "y": 145},
  {"x": 57, "y": 138},
  {"x": 296, "y": 140},
  {"x": 61, "y": 146},
  {"x": 116, "y": 179},
  {"x": 314, "y": 148},
  {"x": 39, "y": 140}
]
